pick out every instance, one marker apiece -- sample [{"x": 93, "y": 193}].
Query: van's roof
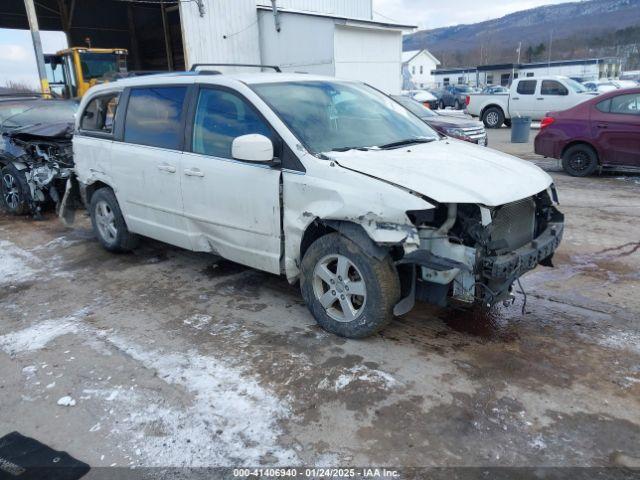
[{"x": 204, "y": 77}]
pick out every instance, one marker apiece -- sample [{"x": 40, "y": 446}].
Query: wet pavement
[{"x": 175, "y": 358}]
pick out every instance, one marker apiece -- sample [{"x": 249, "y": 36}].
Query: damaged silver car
[
  {"x": 330, "y": 183},
  {"x": 36, "y": 156}
]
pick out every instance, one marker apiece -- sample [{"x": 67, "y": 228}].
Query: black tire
[
  {"x": 381, "y": 286},
  {"x": 456, "y": 105},
  {"x": 493, "y": 117},
  {"x": 507, "y": 122},
  {"x": 15, "y": 190},
  {"x": 441, "y": 105},
  {"x": 103, "y": 205},
  {"x": 580, "y": 161}
]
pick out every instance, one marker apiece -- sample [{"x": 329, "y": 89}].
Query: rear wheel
[
  {"x": 457, "y": 104},
  {"x": 580, "y": 161},
  {"x": 441, "y": 105},
  {"x": 348, "y": 292},
  {"x": 507, "y": 122},
  {"x": 108, "y": 223},
  {"x": 15, "y": 190},
  {"x": 493, "y": 117}
]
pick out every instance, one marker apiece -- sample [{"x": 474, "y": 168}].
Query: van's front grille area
[{"x": 513, "y": 225}]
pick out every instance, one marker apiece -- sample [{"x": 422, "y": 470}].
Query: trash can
[{"x": 520, "y": 129}]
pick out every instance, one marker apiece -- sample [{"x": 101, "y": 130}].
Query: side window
[
  {"x": 527, "y": 87},
  {"x": 551, "y": 87},
  {"x": 154, "y": 117},
  {"x": 100, "y": 113},
  {"x": 604, "y": 106},
  {"x": 222, "y": 116},
  {"x": 530, "y": 74},
  {"x": 626, "y": 104}
]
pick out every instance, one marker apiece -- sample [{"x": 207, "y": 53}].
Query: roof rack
[{"x": 195, "y": 66}]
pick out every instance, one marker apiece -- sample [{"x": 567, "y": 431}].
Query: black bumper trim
[{"x": 514, "y": 264}]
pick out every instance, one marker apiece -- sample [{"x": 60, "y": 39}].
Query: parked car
[
  {"x": 35, "y": 152},
  {"x": 330, "y": 183},
  {"x": 450, "y": 125},
  {"x": 528, "y": 97},
  {"x": 604, "y": 86},
  {"x": 423, "y": 97},
  {"x": 493, "y": 90},
  {"x": 454, "y": 96},
  {"x": 602, "y": 133}
]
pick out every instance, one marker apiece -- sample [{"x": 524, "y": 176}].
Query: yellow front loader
[{"x": 73, "y": 71}]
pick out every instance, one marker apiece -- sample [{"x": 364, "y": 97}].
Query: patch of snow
[
  {"x": 232, "y": 420},
  {"x": 51, "y": 385},
  {"x": 621, "y": 341},
  {"x": 67, "y": 402},
  {"x": 198, "y": 321},
  {"x": 538, "y": 443},
  {"x": 363, "y": 374},
  {"x": 16, "y": 265},
  {"x": 38, "y": 335}
]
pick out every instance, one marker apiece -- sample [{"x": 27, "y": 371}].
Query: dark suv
[{"x": 454, "y": 96}]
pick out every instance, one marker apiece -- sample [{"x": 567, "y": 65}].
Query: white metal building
[
  {"x": 329, "y": 37},
  {"x": 419, "y": 65}
]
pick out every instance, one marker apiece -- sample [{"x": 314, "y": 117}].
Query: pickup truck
[{"x": 527, "y": 97}]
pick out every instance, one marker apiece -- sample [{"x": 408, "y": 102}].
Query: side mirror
[{"x": 252, "y": 148}]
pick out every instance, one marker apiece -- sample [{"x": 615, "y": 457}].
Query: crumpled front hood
[{"x": 451, "y": 171}]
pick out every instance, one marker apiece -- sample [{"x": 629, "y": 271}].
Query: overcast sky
[
  {"x": 429, "y": 14},
  {"x": 17, "y": 61}
]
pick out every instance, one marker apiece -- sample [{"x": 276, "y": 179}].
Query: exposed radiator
[{"x": 514, "y": 223}]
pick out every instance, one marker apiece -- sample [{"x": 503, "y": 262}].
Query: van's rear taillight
[
  {"x": 467, "y": 100},
  {"x": 546, "y": 121}
]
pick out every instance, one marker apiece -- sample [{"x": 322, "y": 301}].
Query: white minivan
[{"x": 330, "y": 183}]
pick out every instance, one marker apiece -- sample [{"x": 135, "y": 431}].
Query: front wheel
[
  {"x": 15, "y": 190},
  {"x": 441, "y": 105},
  {"x": 348, "y": 292},
  {"x": 580, "y": 161},
  {"x": 493, "y": 118}
]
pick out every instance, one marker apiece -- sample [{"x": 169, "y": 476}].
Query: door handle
[
  {"x": 516, "y": 98},
  {"x": 167, "y": 168},
  {"x": 194, "y": 173},
  {"x": 602, "y": 125},
  {"x": 539, "y": 98}
]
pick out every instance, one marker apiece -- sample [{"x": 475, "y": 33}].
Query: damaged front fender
[{"x": 370, "y": 212}]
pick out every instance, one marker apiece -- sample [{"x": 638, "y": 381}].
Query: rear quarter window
[{"x": 154, "y": 117}]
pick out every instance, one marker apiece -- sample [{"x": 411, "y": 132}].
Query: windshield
[
  {"x": 44, "y": 111},
  {"x": 415, "y": 107},
  {"x": 328, "y": 115},
  {"x": 97, "y": 65},
  {"x": 575, "y": 86}
]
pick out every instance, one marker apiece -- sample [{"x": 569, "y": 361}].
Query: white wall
[
  {"x": 425, "y": 79},
  {"x": 304, "y": 43},
  {"x": 370, "y": 55},
  {"x": 204, "y": 37},
  {"x": 343, "y": 8}
]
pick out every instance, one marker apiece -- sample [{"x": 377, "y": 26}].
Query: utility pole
[{"x": 37, "y": 46}]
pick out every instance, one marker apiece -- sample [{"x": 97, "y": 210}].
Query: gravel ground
[{"x": 172, "y": 358}]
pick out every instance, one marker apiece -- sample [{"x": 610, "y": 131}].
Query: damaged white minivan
[{"x": 330, "y": 183}]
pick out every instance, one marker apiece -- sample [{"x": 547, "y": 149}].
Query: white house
[
  {"x": 418, "y": 67},
  {"x": 328, "y": 37}
]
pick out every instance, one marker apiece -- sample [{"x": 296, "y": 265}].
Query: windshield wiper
[
  {"x": 408, "y": 141},
  {"x": 346, "y": 149}
]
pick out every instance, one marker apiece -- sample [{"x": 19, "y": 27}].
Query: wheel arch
[
  {"x": 586, "y": 143},
  {"x": 491, "y": 105},
  {"x": 351, "y": 230},
  {"x": 90, "y": 189}
]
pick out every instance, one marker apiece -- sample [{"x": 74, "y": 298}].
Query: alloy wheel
[
  {"x": 11, "y": 191},
  {"x": 492, "y": 118},
  {"x": 106, "y": 221},
  {"x": 579, "y": 161},
  {"x": 340, "y": 288}
]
